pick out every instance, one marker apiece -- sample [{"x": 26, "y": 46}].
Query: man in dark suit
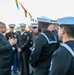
[{"x": 6, "y": 52}]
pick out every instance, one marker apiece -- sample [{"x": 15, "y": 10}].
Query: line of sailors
[{"x": 38, "y": 51}]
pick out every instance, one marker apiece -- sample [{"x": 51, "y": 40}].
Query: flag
[
  {"x": 25, "y": 11},
  {"x": 21, "y": 5},
  {"x": 30, "y": 17},
  {"x": 35, "y": 20},
  {"x": 16, "y": 1}
]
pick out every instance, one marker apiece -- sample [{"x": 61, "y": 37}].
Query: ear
[{"x": 63, "y": 30}]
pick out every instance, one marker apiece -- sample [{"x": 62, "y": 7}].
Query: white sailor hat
[
  {"x": 22, "y": 24},
  {"x": 12, "y": 25},
  {"x": 34, "y": 26},
  {"x": 43, "y": 19},
  {"x": 66, "y": 21},
  {"x": 33, "y": 23}
]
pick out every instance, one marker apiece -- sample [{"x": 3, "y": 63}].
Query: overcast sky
[{"x": 51, "y": 8}]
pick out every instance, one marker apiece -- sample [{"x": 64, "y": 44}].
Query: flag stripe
[
  {"x": 16, "y": 1},
  {"x": 25, "y": 11},
  {"x": 17, "y": 6}
]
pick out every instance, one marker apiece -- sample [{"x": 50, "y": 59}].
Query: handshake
[{"x": 12, "y": 41}]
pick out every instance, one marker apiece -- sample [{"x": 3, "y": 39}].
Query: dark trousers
[
  {"x": 24, "y": 63},
  {"x": 6, "y": 71},
  {"x": 41, "y": 71},
  {"x": 15, "y": 66}
]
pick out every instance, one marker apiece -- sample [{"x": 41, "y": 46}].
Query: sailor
[
  {"x": 43, "y": 48},
  {"x": 12, "y": 34},
  {"x": 62, "y": 62},
  {"x": 53, "y": 28},
  {"x": 24, "y": 50}
]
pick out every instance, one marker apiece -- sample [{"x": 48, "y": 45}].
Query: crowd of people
[{"x": 46, "y": 49}]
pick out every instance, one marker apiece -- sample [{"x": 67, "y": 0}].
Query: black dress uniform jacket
[
  {"x": 24, "y": 44},
  {"x": 42, "y": 53},
  {"x": 12, "y": 35},
  {"x": 6, "y": 53},
  {"x": 25, "y": 41},
  {"x": 62, "y": 61},
  {"x": 57, "y": 37}
]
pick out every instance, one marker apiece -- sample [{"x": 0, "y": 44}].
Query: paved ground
[
  {"x": 14, "y": 73},
  {"x": 31, "y": 71}
]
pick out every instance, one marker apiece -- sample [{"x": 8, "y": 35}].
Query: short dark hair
[
  {"x": 44, "y": 24},
  {"x": 1, "y": 23},
  {"x": 69, "y": 29}
]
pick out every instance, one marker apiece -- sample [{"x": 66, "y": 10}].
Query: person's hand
[
  {"x": 19, "y": 49},
  {"x": 15, "y": 40},
  {"x": 12, "y": 41}
]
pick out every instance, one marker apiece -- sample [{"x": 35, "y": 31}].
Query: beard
[
  {"x": 60, "y": 35},
  {"x": 39, "y": 29},
  {"x": 60, "y": 38},
  {"x": 4, "y": 31}
]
